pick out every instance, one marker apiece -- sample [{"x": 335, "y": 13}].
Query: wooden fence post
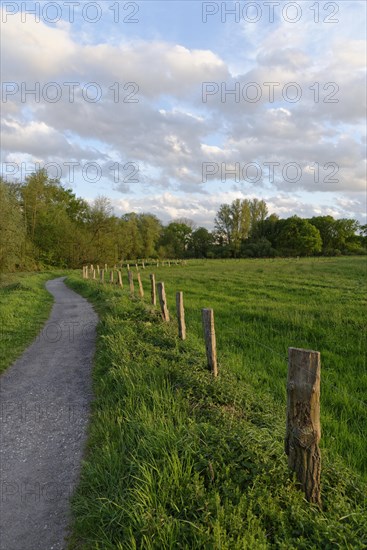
[
  {"x": 210, "y": 341},
  {"x": 143, "y": 265},
  {"x": 86, "y": 272},
  {"x": 303, "y": 430},
  {"x": 111, "y": 276},
  {"x": 180, "y": 315},
  {"x": 141, "y": 290},
  {"x": 93, "y": 273},
  {"x": 101, "y": 274},
  {"x": 131, "y": 281},
  {"x": 98, "y": 270},
  {"x": 152, "y": 289},
  {"x": 163, "y": 301},
  {"x": 120, "y": 279}
]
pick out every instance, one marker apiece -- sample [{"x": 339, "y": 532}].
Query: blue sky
[{"x": 170, "y": 133}]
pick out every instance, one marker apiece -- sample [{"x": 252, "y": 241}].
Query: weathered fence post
[
  {"x": 120, "y": 279},
  {"x": 180, "y": 315},
  {"x": 111, "y": 276},
  {"x": 131, "y": 281},
  {"x": 143, "y": 265},
  {"x": 163, "y": 301},
  {"x": 303, "y": 430},
  {"x": 141, "y": 290},
  {"x": 136, "y": 267},
  {"x": 86, "y": 272},
  {"x": 93, "y": 273},
  {"x": 101, "y": 274},
  {"x": 210, "y": 341},
  {"x": 152, "y": 289},
  {"x": 98, "y": 270},
  {"x": 83, "y": 271}
]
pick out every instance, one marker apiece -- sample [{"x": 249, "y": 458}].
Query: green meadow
[
  {"x": 177, "y": 459},
  {"x": 263, "y": 307}
]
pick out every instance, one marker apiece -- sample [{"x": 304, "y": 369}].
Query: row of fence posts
[{"x": 303, "y": 430}]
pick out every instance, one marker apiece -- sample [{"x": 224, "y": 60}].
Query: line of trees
[{"x": 44, "y": 224}]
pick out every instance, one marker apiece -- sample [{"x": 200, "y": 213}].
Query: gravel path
[{"x": 45, "y": 398}]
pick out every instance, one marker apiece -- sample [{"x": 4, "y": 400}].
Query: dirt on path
[{"x": 45, "y": 397}]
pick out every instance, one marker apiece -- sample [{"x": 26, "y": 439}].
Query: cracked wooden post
[
  {"x": 131, "y": 281},
  {"x": 210, "y": 341},
  {"x": 119, "y": 278},
  {"x": 180, "y": 316},
  {"x": 101, "y": 274},
  {"x": 152, "y": 289},
  {"x": 141, "y": 290},
  {"x": 303, "y": 430},
  {"x": 163, "y": 301},
  {"x": 111, "y": 276}
]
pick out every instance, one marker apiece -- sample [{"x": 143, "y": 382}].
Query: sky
[{"x": 175, "y": 107}]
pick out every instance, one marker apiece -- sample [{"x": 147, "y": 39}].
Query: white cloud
[{"x": 170, "y": 132}]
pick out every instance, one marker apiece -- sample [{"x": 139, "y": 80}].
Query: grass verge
[
  {"x": 178, "y": 460},
  {"x": 25, "y": 305}
]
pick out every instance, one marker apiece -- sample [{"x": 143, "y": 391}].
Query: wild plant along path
[{"x": 45, "y": 397}]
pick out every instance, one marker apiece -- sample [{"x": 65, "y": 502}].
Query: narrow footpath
[{"x": 44, "y": 410}]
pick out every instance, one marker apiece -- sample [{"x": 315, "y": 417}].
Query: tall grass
[{"x": 179, "y": 460}]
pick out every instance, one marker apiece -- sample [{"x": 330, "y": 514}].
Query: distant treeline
[{"x": 43, "y": 224}]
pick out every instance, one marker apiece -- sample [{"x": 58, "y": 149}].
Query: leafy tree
[
  {"x": 12, "y": 229},
  {"x": 200, "y": 243},
  {"x": 150, "y": 230},
  {"x": 269, "y": 229},
  {"x": 257, "y": 248},
  {"x": 298, "y": 237},
  {"x": 338, "y": 236},
  {"x": 174, "y": 240},
  {"x": 53, "y": 217},
  {"x": 223, "y": 225},
  {"x": 186, "y": 221},
  {"x": 235, "y": 222}
]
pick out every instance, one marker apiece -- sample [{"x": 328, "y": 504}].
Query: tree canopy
[{"x": 43, "y": 223}]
